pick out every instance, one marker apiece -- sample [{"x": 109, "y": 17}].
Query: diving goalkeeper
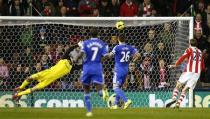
[{"x": 47, "y": 76}]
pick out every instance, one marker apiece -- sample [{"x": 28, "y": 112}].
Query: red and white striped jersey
[{"x": 195, "y": 61}]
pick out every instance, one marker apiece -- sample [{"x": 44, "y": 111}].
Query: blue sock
[
  {"x": 121, "y": 94},
  {"x": 100, "y": 93},
  {"x": 87, "y": 102},
  {"x": 117, "y": 100}
]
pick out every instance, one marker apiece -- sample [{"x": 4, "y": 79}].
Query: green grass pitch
[{"x": 137, "y": 113}]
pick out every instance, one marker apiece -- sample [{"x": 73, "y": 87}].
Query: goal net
[{"x": 29, "y": 45}]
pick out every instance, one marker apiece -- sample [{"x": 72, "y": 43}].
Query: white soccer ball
[{"x": 111, "y": 101}]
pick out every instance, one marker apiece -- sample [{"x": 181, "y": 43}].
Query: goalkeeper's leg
[
  {"x": 39, "y": 86},
  {"x": 24, "y": 84}
]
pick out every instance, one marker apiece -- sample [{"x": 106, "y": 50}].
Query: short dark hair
[
  {"x": 121, "y": 38},
  {"x": 193, "y": 42},
  {"x": 94, "y": 32}
]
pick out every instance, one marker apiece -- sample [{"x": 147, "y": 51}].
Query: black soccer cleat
[{"x": 171, "y": 103}]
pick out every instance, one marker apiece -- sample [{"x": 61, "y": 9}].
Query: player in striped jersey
[{"x": 195, "y": 64}]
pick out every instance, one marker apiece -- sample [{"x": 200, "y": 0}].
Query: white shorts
[{"x": 189, "y": 79}]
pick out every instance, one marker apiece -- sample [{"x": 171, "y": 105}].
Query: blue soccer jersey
[
  {"x": 122, "y": 54},
  {"x": 94, "y": 50}
]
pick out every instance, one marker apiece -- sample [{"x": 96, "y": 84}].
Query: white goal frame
[{"x": 190, "y": 19}]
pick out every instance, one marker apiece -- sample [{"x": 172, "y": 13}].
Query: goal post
[{"x": 30, "y": 44}]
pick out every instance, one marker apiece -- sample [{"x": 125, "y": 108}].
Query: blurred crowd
[
  {"x": 106, "y": 8},
  {"x": 36, "y": 48}
]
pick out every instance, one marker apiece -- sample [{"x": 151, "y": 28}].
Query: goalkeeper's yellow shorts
[{"x": 57, "y": 71}]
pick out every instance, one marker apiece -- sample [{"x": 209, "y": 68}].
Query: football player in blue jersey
[
  {"x": 93, "y": 49},
  {"x": 122, "y": 54}
]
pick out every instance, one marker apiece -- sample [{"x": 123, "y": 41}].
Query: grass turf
[{"x": 138, "y": 113}]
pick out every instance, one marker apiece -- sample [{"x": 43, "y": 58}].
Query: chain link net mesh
[{"x": 28, "y": 47}]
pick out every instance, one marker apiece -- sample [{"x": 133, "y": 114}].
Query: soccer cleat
[
  {"x": 105, "y": 94},
  {"x": 114, "y": 107},
  {"x": 171, "y": 103},
  {"x": 16, "y": 98},
  {"x": 127, "y": 104},
  {"x": 177, "y": 105},
  {"x": 89, "y": 114}
]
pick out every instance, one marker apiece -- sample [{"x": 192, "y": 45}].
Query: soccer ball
[
  {"x": 120, "y": 25},
  {"x": 111, "y": 101}
]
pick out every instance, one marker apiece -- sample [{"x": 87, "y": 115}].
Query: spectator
[
  {"x": 207, "y": 64},
  {"x": 3, "y": 8},
  {"x": 77, "y": 85},
  {"x": 4, "y": 73},
  {"x": 63, "y": 11},
  {"x": 115, "y": 8},
  {"x": 28, "y": 7},
  {"x": 48, "y": 51},
  {"x": 148, "y": 50},
  {"x": 162, "y": 53},
  {"x": 208, "y": 18},
  {"x": 201, "y": 9},
  {"x": 128, "y": 9},
  {"x": 43, "y": 39},
  {"x": 15, "y": 58},
  {"x": 152, "y": 37},
  {"x": 17, "y": 76},
  {"x": 199, "y": 24},
  {"x": 46, "y": 62},
  {"x": 58, "y": 7},
  {"x": 167, "y": 36},
  {"x": 16, "y": 8},
  {"x": 26, "y": 36},
  {"x": 146, "y": 69},
  {"x": 154, "y": 13},
  {"x": 86, "y": 7},
  {"x": 48, "y": 9},
  {"x": 27, "y": 71},
  {"x": 26, "y": 58},
  {"x": 59, "y": 53},
  {"x": 40, "y": 40},
  {"x": 163, "y": 74},
  {"x": 72, "y": 7},
  {"x": 113, "y": 39},
  {"x": 38, "y": 67},
  {"x": 104, "y": 8},
  {"x": 146, "y": 9},
  {"x": 202, "y": 42},
  {"x": 134, "y": 78},
  {"x": 96, "y": 12}
]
